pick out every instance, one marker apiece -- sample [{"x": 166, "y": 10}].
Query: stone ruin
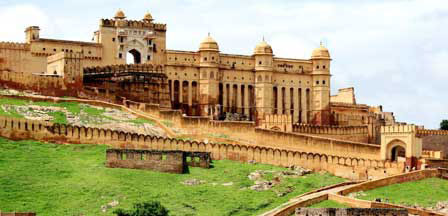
[
  {"x": 162, "y": 161},
  {"x": 351, "y": 212}
]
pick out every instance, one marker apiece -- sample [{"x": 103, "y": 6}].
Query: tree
[
  {"x": 153, "y": 208},
  {"x": 444, "y": 125}
]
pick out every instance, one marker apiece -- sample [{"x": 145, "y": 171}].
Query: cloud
[{"x": 18, "y": 17}]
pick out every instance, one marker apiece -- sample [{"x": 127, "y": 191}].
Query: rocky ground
[
  {"x": 77, "y": 114},
  {"x": 263, "y": 180}
]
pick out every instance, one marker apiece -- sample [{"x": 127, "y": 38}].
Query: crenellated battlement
[
  {"x": 125, "y": 67},
  {"x": 132, "y": 24},
  {"x": 399, "y": 129},
  {"x": 330, "y": 129},
  {"x": 344, "y": 166},
  {"x": 423, "y": 132},
  {"x": 15, "y": 46}
]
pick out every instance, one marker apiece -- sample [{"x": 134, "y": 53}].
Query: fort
[{"x": 280, "y": 110}]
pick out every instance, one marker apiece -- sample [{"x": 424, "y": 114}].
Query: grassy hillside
[
  {"x": 55, "y": 179},
  {"x": 424, "y": 193}
]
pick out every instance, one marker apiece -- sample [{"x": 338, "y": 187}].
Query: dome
[
  {"x": 209, "y": 44},
  {"x": 148, "y": 17},
  {"x": 263, "y": 48},
  {"x": 119, "y": 15},
  {"x": 320, "y": 53}
]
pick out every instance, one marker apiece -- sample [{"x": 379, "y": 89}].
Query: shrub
[{"x": 153, "y": 208}]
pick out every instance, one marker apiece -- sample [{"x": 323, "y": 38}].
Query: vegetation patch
[
  {"x": 329, "y": 204},
  {"x": 53, "y": 179},
  {"x": 424, "y": 193}
]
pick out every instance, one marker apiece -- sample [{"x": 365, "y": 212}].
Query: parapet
[
  {"x": 399, "y": 129},
  {"x": 13, "y": 45},
  {"x": 132, "y": 24},
  {"x": 423, "y": 132}
]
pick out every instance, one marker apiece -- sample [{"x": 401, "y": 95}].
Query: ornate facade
[{"x": 201, "y": 83}]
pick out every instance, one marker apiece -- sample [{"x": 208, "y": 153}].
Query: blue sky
[{"x": 394, "y": 53}]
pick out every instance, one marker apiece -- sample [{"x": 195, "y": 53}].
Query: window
[
  {"x": 323, "y": 82},
  {"x": 205, "y": 58},
  {"x": 149, "y": 42},
  {"x": 317, "y": 66},
  {"x": 317, "y": 82},
  {"x": 113, "y": 39},
  {"x": 54, "y": 50},
  {"x": 44, "y": 49},
  {"x": 323, "y": 67},
  {"x": 121, "y": 39},
  {"x": 90, "y": 52},
  {"x": 120, "y": 55},
  {"x": 213, "y": 57},
  {"x": 149, "y": 58},
  {"x": 259, "y": 62}
]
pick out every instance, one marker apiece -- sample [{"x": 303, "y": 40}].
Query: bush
[{"x": 153, "y": 208}]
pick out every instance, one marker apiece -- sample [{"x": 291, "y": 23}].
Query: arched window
[{"x": 260, "y": 79}]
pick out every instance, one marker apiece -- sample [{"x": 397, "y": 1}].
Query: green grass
[
  {"x": 329, "y": 204},
  {"x": 59, "y": 117},
  {"x": 55, "y": 179},
  {"x": 141, "y": 121},
  {"x": 424, "y": 193}
]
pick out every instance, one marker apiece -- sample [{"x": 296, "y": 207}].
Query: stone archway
[
  {"x": 396, "y": 150},
  {"x": 136, "y": 57}
]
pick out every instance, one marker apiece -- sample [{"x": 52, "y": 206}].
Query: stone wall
[
  {"x": 351, "y": 133},
  {"x": 406, "y": 177},
  {"x": 347, "y": 167},
  {"x": 350, "y": 212},
  {"x": 162, "y": 161}
]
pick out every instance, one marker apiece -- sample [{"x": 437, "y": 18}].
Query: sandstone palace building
[
  {"x": 203, "y": 82},
  {"x": 261, "y": 90}
]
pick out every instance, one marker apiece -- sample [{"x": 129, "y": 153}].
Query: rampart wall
[
  {"x": 352, "y": 133},
  {"x": 48, "y": 85},
  {"x": 347, "y": 167}
]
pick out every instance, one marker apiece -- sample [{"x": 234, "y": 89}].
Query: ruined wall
[
  {"x": 166, "y": 161},
  {"x": 350, "y": 212},
  {"x": 350, "y": 133},
  {"x": 347, "y": 167}
]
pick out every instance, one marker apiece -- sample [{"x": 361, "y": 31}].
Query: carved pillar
[
  {"x": 238, "y": 98},
  {"x": 224, "y": 97},
  {"x": 287, "y": 101},
  {"x": 296, "y": 105},
  {"x": 279, "y": 100},
  {"x": 246, "y": 100}
]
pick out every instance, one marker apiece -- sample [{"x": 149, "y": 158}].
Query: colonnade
[{"x": 292, "y": 101}]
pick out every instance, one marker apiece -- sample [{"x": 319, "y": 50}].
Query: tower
[
  {"x": 263, "y": 56},
  {"x": 320, "y": 109},
  {"x": 32, "y": 33},
  {"x": 209, "y": 77},
  {"x": 143, "y": 40}
]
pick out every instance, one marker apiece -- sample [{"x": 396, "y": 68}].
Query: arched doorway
[
  {"x": 133, "y": 57},
  {"x": 396, "y": 151}
]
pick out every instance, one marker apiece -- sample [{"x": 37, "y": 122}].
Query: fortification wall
[
  {"x": 406, "y": 177},
  {"x": 350, "y": 133},
  {"x": 48, "y": 85},
  {"x": 17, "y": 57},
  {"x": 347, "y": 167}
]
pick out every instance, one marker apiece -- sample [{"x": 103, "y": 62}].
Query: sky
[{"x": 394, "y": 53}]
